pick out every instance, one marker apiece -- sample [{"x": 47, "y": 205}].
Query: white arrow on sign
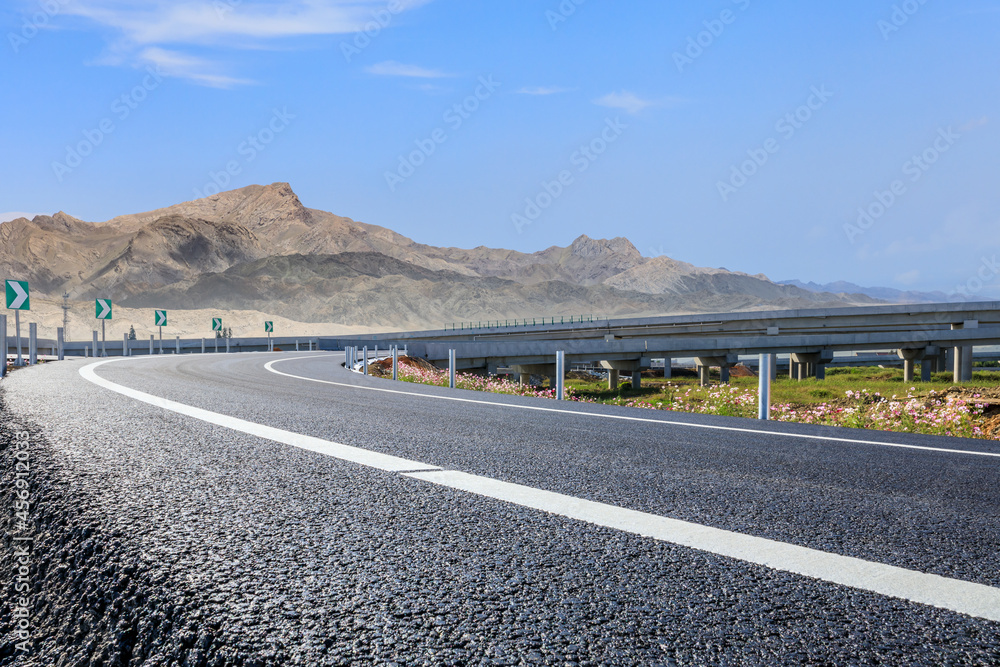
[
  {"x": 161, "y": 318},
  {"x": 105, "y": 309},
  {"x": 22, "y": 296}
]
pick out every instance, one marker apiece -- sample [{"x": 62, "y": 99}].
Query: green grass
[{"x": 885, "y": 381}]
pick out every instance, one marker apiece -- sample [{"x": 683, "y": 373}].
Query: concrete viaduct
[{"x": 938, "y": 336}]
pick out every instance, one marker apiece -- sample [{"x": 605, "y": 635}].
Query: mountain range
[{"x": 259, "y": 248}]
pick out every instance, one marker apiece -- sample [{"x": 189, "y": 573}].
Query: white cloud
[
  {"x": 542, "y": 90},
  {"x": 626, "y": 101},
  {"x": 392, "y": 68},
  {"x": 974, "y": 124},
  {"x": 159, "y": 30},
  {"x": 198, "y": 70}
]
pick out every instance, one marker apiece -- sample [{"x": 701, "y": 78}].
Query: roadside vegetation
[{"x": 867, "y": 398}]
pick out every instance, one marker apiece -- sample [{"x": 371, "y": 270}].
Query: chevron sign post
[
  {"x": 17, "y": 300},
  {"x": 103, "y": 307},
  {"x": 269, "y": 328},
  {"x": 17, "y": 295},
  {"x": 217, "y": 326},
  {"x": 161, "y": 321}
]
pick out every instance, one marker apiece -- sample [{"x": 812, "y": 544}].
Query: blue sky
[{"x": 822, "y": 141}]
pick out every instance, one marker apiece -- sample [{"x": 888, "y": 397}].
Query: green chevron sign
[
  {"x": 17, "y": 295},
  {"x": 161, "y": 318},
  {"x": 104, "y": 309},
  {"x": 216, "y": 324},
  {"x": 269, "y": 327}
]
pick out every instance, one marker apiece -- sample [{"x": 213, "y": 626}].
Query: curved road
[{"x": 326, "y": 517}]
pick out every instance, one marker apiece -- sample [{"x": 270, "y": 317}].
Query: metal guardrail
[{"x": 513, "y": 324}]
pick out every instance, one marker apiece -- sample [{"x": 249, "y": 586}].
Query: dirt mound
[
  {"x": 383, "y": 367},
  {"x": 741, "y": 371}
]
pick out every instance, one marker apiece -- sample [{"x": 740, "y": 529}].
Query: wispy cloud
[
  {"x": 974, "y": 124},
  {"x": 159, "y": 31},
  {"x": 198, "y": 70},
  {"x": 626, "y": 101},
  {"x": 542, "y": 90},
  {"x": 392, "y": 68}
]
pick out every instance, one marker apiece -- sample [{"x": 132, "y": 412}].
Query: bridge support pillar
[
  {"x": 667, "y": 368},
  {"x": 723, "y": 362},
  {"x": 616, "y": 367},
  {"x": 525, "y": 371},
  {"x": 811, "y": 364}
]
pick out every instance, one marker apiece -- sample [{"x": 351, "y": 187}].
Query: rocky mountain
[
  {"x": 883, "y": 293},
  {"x": 259, "y": 248}
]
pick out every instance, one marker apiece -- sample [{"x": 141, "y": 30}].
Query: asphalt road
[{"x": 226, "y": 545}]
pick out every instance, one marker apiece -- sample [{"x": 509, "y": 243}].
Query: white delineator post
[
  {"x": 60, "y": 342},
  {"x": 451, "y": 368},
  {"x": 3, "y": 345},
  {"x": 365, "y": 361},
  {"x": 32, "y": 343},
  {"x": 764, "y": 394},
  {"x": 124, "y": 345},
  {"x": 395, "y": 363},
  {"x": 17, "y": 335},
  {"x": 560, "y": 374},
  {"x": 95, "y": 345},
  {"x": 151, "y": 339}
]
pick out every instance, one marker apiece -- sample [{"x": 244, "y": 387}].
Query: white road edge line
[
  {"x": 270, "y": 367},
  {"x": 955, "y": 595}
]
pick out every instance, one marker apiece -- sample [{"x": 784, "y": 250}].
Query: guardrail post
[
  {"x": 124, "y": 345},
  {"x": 296, "y": 345},
  {"x": 764, "y": 386},
  {"x": 152, "y": 340},
  {"x": 60, "y": 343},
  {"x": 395, "y": 363},
  {"x": 560, "y": 374},
  {"x": 86, "y": 351},
  {"x": 203, "y": 346},
  {"x": 451, "y": 368},
  {"x": 177, "y": 344},
  {"x": 227, "y": 345},
  {"x": 3, "y": 345},
  {"x": 32, "y": 343}
]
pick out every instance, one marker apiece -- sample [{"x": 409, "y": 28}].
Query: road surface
[{"x": 260, "y": 509}]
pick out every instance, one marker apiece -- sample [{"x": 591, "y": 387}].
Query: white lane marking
[
  {"x": 955, "y": 595},
  {"x": 270, "y": 367},
  {"x": 961, "y": 596},
  {"x": 337, "y": 450}
]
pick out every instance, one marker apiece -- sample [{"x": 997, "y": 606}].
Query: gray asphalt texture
[{"x": 165, "y": 540}]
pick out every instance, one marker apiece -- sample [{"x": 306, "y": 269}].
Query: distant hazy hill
[
  {"x": 259, "y": 248},
  {"x": 882, "y": 293}
]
